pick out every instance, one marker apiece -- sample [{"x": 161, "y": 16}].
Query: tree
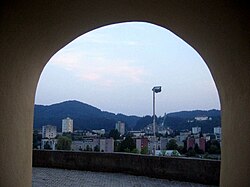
[
  {"x": 175, "y": 153},
  {"x": 190, "y": 152},
  {"x": 163, "y": 152},
  {"x": 127, "y": 144},
  {"x": 198, "y": 150},
  {"x": 88, "y": 148},
  {"x": 97, "y": 148},
  {"x": 117, "y": 146},
  {"x": 184, "y": 150},
  {"x": 181, "y": 150},
  {"x": 172, "y": 145},
  {"x": 47, "y": 146},
  {"x": 127, "y": 150},
  {"x": 114, "y": 134},
  {"x": 213, "y": 147},
  {"x": 68, "y": 134},
  {"x": 63, "y": 143},
  {"x": 135, "y": 151},
  {"x": 144, "y": 150}
]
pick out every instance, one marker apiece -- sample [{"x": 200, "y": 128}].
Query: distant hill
[
  {"x": 85, "y": 116},
  {"x": 185, "y": 120},
  {"x": 194, "y": 113},
  {"x": 88, "y": 117},
  {"x": 143, "y": 122}
]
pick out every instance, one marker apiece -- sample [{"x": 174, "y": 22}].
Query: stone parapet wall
[{"x": 172, "y": 168}]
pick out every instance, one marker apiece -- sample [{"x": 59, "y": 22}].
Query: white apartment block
[
  {"x": 67, "y": 125},
  {"x": 217, "y": 130},
  {"x": 120, "y": 127},
  {"x": 49, "y": 131},
  {"x": 196, "y": 130}
]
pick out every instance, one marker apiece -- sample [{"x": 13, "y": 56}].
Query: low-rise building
[
  {"x": 209, "y": 136},
  {"x": 48, "y": 144},
  {"x": 201, "y": 142},
  {"x": 151, "y": 144},
  {"x": 190, "y": 142},
  {"x": 89, "y": 144},
  {"x": 137, "y": 133},
  {"x": 99, "y": 132},
  {"x": 77, "y": 146},
  {"x": 162, "y": 143},
  {"x": 141, "y": 143},
  {"x": 107, "y": 145},
  {"x": 90, "y": 134},
  {"x": 86, "y": 144},
  {"x": 184, "y": 134}
]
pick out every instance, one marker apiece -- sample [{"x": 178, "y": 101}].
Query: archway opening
[{"x": 114, "y": 67}]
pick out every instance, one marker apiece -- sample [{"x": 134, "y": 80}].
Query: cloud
[
  {"x": 104, "y": 39},
  {"x": 111, "y": 73},
  {"x": 96, "y": 69},
  {"x": 67, "y": 60}
]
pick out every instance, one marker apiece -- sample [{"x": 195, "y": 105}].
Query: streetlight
[{"x": 155, "y": 89}]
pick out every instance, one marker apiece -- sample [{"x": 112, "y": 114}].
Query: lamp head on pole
[{"x": 156, "y": 89}]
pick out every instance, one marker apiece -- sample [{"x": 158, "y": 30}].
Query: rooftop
[{"x": 62, "y": 177}]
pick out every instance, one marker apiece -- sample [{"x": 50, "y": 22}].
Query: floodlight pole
[
  {"x": 155, "y": 89},
  {"x": 154, "y": 138}
]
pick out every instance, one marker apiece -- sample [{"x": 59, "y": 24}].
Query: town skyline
[{"x": 90, "y": 117}]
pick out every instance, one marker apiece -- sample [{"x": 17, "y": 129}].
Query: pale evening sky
[{"x": 115, "y": 67}]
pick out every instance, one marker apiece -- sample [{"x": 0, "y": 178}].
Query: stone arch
[{"x": 31, "y": 32}]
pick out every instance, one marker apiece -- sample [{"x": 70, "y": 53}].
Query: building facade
[
  {"x": 67, "y": 125},
  {"x": 89, "y": 144},
  {"x": 49, "y": 131},
  {"x": 48, "y": 144},
  {"x": 120, "y": 127},
  {"x": 141, "y": 143},
  {"x": 217, "y": 130},
  {"x": 202, "y": 144},
  {"x": 196, "y": 130},
  {"x": 190, "y": 142},
  {"x": 184, "y": 135},
  {"x": 107, "y": 145},
  {"x": 100, "y": 131}
]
